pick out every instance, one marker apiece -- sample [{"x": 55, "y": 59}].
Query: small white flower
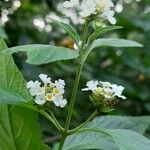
[
  {"x": 98, "y": 7},
  {"x": 45, "y": 78},
  {"x": 47, "y": 92},
  {"x": 105, "y": 89},
  {"x": 59, "y": 83},
  {"x": 60, "y": 102},
  {"x": 106, "y": 84},
  {"x": 58, "y": 91},
  {"x": 40, "y": 99},
  {"x": 34, "y": 88},
  {"x": 91, "y": 86},
  {"x": 71, "y": 3},
  {"x": 118, "y": 91},
  {"x": 30, "y": 84}
]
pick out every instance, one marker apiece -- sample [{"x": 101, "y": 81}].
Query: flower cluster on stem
[
  {"x": 47, "y": 91},
  {"x": 98, "y": 8},
  {"x": 104, "y": 94}
]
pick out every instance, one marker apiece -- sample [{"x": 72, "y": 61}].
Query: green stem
[
  {"x": 42, "y": 112},
  {"x": 75, "y": 87},
  {"x": 80, "y": 126},
  {"x": 45, "y": 114},
  {"x": 58, "y": 124},
  {"x": 72, "y": 102}
]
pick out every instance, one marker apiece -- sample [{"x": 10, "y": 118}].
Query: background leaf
[
  {"x": 2, "y": 33},
  {"x": 19, "y": 129},
  {"x": 41, "y": 54}
]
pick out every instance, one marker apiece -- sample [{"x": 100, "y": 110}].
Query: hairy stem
[
  {"x": 73, "y": 97},
  {"x": 75, "y": 87}
]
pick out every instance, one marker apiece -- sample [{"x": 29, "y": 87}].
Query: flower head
[
  {"x": 47, "y": 91},
  {"x": 99, "y": 8},
  {"x": 104, "y": 94}
]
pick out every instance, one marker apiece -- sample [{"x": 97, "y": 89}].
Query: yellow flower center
[
  {"x": 55, "y": 91},
  {"x": 49, "y": 97}
]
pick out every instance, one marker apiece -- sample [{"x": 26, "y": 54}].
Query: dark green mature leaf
[
  {"x": 93, "y": 138},
  {"x": 70, "y": 30},
  {"x": 109, "y": 129},
  {"x": 19, "y": 129},
  {"x": 89, "y": 140},
  {"x": 8, "y": 96},
  {"x": 111, "y": 42},
  {"x": 41, "y": 54},
  {"x": 129, "y": 140},
  {"x": 2, "y": 33},
  {"x": 138, "y": 124},
  {"x": 101, "y": 31}
]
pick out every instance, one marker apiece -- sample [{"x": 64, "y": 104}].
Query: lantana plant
[{"x": 48, "y": 95}]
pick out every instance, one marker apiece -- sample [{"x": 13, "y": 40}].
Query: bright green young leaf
[
  {"x": 101, "y": 31},
  {"x": 41, "y": 54},
  {"x": 8, "y": 96},
  {"x": 19, "y": 128},
  {"x": 111, "y": 42},
  {"x": 2, "y": 33},
  {"x": 70, "y": 30}
]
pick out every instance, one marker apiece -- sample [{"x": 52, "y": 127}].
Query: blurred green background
[{"x": 28, "y": 21}]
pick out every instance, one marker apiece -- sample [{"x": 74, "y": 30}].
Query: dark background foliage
[{"x": 28, "y": 21}]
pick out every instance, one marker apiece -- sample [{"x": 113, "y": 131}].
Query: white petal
[
  {"x": 86, "y": 89},
  {"x": 56, "y": 102},
  {"x": 106, "y": 84},
  {"x": 71, "y": 3},
  {"x": 30, "y": 84},
  {"x": 45, "y": 78},
  {"x": 40, "y": 99},
  {"x": 112, "y": 20},
  {"x": 63, "y": 103},
  {"x": 118, "y": 90}
]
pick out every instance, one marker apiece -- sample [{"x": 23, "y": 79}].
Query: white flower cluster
[
  {"x": 48, "y": 92},
  {"x": 106, "y": 89},
  {"x": 102, "y": 8}
]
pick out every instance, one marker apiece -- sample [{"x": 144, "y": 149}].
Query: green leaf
[
  {"x": 8, "y": 96},
  {"x": 19, "y": 128},
  {"x": 69, "y": 29},
  {"x": 107, "y": 125},
  {"x": 129, "y": 140},
  {"x": 91, "y": 138},
  {"x": 41, "y": 54},
  {"x": 101, "y": 31},
  {"x": 138, "y": 124},
  {"x": 112, "y": 42},
  {"x": 2, "y": 33}
]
